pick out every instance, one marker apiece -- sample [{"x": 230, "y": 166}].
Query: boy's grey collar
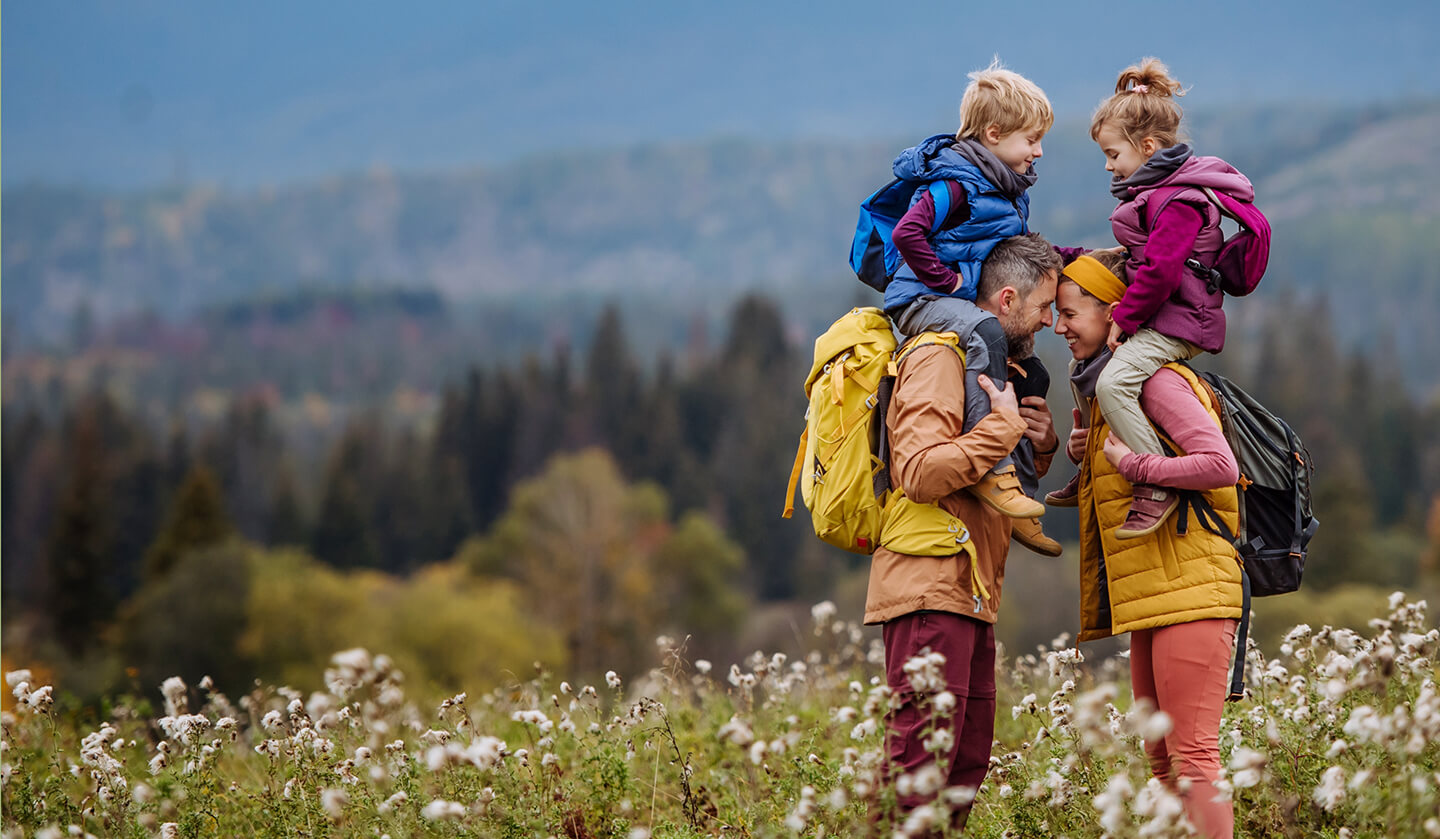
[{"x": 1010, "y": 183}]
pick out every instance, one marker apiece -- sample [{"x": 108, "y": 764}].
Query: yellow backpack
[{"x": 840, "y": 463}]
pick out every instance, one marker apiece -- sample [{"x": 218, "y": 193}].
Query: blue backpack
[{"x": 872, "y": 251}]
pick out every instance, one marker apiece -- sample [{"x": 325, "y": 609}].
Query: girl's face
[
  {"x": 1081, "y": 320},
  {"x": 1123, "y": 157}
]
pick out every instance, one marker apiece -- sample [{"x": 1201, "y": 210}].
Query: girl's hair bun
[{"x": 1150, "y": 76}]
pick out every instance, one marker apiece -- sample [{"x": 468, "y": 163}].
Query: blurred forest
[
  {"x": 544, "y": 413},
  {"x": 563, "y": 508}
]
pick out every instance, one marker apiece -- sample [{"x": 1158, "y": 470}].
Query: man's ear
[
  {"x": 1006, "y": 298},
  {"x": 991, "y": 135}
]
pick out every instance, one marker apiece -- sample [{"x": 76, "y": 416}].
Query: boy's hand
[
  {"x": 1000, "y": 400},
  {"x": 1115, "y": 450},
  {"x": 1075, "y": 446},
  {"x": 1116, "y": 336},
  {"x": 1039, "y": 425}
]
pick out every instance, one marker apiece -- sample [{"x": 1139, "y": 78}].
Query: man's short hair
[
  {"x": 1020, "y": 262},
  {"x": 1004, "y": 99}
]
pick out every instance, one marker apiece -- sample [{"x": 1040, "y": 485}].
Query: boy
[{"x": 976, "y": 197}]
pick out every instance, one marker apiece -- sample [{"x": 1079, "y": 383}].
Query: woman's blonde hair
[
  {"x": 1004, "y": 99},
  {"x": 1143, "y": 105}
]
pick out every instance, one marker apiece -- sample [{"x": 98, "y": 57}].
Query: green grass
[{"x": 773, "y": 747}]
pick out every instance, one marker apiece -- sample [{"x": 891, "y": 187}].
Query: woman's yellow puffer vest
[{"x": 1158, "y": 580}]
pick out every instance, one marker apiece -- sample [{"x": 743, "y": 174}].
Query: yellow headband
[{"x": 1089, "y": 274}]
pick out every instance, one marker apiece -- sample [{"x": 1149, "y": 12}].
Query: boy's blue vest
[{"x": 993, "y": 218}]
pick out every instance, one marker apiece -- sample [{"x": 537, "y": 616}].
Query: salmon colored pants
[{"x": 1184, "y": 670}]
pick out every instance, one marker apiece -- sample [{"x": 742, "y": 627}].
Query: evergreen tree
[
  {"x": 613, "y": 389},
  {"x": 80, "y": 547},
  {"x": 345, "y": 529},
  {"x": 286, "y": 520},
  {"x": 762, "y": 413},
  {"x": 197, "y": 519}
]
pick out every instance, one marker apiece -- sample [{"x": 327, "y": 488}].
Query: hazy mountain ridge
[{"x": 696, "y": 222}]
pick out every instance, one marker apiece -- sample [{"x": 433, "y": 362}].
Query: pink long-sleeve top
[{"x": 1208, "y": 463}]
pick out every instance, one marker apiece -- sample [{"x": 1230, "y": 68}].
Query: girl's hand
[
  {"x": 1116, "y": 335},
  {"x": 1075, "y": 445},
  {"x": 1115, "y": 450},
  {"x": 1000, "y": 400}
]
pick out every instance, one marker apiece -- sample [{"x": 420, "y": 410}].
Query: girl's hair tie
[{"x": 1140, "y": 88}]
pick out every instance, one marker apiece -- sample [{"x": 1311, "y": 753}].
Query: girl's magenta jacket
[{"x": 1163, "y": 224}]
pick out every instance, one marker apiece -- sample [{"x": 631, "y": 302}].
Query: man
[{"x": 944, "y": 604}]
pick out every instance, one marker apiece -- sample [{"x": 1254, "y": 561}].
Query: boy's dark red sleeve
[{"x": 912, "y": 237}]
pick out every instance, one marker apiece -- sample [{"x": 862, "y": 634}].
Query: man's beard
[{"x": 1021, "y": 343}]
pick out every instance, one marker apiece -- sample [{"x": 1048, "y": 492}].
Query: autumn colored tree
[{"x": 599, "y": 558}]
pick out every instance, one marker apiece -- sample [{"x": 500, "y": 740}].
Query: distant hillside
[{"x": 1354, "y": 196}]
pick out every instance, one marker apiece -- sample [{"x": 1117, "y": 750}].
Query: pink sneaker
[
  {"x": 1149, "y": 509},
  {"x": 1066, "y": 496}
]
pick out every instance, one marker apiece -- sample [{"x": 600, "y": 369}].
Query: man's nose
[{"x": 1039, "y": 152}]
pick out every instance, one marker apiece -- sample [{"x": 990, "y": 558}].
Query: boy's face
[{"x": 1018, "y": 149}]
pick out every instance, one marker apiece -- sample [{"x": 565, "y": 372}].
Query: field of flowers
[{"x": 1339, "y": 736}]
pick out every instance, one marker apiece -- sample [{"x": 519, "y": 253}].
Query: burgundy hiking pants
[{"x": 969, "y": 649}]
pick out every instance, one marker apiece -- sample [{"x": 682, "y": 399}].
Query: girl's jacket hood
[{"x": 1202, "y": 172}]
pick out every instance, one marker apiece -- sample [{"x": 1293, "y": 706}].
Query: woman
[{"x": 1179, "y": 596}]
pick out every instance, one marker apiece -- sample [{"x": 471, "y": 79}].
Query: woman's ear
[
  {"x": 1149, "y": 146},
  {"x": 1110, "y": 311}
]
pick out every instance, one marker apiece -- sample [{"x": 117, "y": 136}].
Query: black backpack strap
[
  {"x": 1296, "y": 464},
  {"x": 1237, "y": 676},
  {"x": 1206, "y": 515}
]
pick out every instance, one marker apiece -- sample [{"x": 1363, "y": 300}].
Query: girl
[
  {"x": 1178, "y": 597},
  {"x": 1171, "y": 229}
]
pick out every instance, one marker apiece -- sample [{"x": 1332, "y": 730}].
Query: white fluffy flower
[
  {"x": 333, "y": 801},
  {"x": 441, "y": 810},
  {"x": 1331, "y": 790}
]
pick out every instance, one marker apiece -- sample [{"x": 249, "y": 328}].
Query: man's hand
[
  {"x": 1000, "y": 400},
  {"x": 1075, "y": 446},
  {"x": 1115, "y": 450},
  {"x": 1116, "y": 334},
  {"x": 1039, "y": 425}
]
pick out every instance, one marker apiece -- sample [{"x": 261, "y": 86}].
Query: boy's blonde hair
[
  {"x": 1143, "y": 105},
  {"x": 1004, "y": 99}
]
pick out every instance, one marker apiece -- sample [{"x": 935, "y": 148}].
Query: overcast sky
[{"x": 140, "y": 92}]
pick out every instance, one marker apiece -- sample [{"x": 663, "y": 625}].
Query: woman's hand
[
  {"x": 1079, "y": 434},
  {"x": 1115, "y": 450},
  {"x": 1000, "y": 400},
  {"x": 1116, "y": 335}
]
